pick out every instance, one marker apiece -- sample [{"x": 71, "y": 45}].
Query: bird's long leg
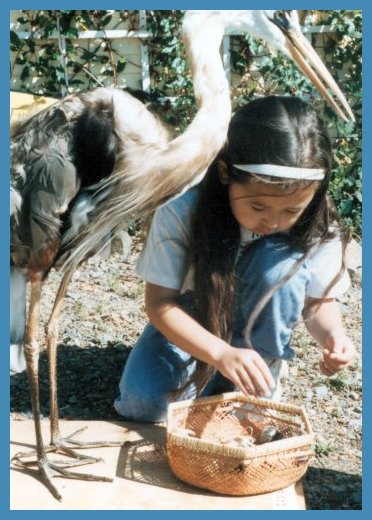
[
  {"x": 49, "y": 469},
  {"x": 31, "y": 350},
  {"x": 52, "y": 339},
  {"x": 66, "y": 444}
]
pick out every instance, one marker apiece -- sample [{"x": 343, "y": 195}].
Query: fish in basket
[{"x": 237, "y": 445}]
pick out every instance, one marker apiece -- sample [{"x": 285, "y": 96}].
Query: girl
[{"x": 232, "y": 265}]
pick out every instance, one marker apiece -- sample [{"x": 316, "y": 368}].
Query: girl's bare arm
[
  {"x": 324, "y": 322},
  {"x": 243, "y": 367}
]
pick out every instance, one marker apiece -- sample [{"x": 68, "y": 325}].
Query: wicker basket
[{"x": 212, "y": 443}]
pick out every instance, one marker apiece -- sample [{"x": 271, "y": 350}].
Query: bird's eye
[{"x": 281, "y": 18}]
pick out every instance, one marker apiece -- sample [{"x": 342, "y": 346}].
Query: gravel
[{"x": 104, "y": 315}]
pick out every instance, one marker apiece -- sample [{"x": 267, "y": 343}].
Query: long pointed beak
[{"x": 312, "y": 66}]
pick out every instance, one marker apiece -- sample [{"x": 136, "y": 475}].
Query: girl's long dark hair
[{"x": 272, "y": 130}]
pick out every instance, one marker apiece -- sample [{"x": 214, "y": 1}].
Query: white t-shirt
[{"x": 164, "y": 260}]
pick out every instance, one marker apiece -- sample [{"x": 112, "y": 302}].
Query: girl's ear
[{"x": 223, "y": 174}]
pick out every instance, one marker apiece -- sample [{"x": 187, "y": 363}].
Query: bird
[{"x": 82, "y": 166}]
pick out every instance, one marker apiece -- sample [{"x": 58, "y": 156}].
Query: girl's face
[{"x": 264, "y": 209}]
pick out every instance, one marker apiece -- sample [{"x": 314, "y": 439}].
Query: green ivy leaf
[
  {"x": 121, "y": 64},
  {"x": 14, "y": 40}
]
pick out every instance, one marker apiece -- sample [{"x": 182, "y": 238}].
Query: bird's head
[
  {"x": 281, "y": 30},
  {"x": 284, "y": 32}
]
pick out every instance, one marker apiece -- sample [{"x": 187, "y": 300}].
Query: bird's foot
[
  {"x": 47, "y": 470},
  {"x": 70, "y": 441},
  {"x": 64, "y": 446}
]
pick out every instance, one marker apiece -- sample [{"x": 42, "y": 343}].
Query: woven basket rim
[
  {"x": 239, "y": 396},
  {"x": 273, "y": 448}
]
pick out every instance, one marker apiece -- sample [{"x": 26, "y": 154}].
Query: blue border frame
[{"x": 5, "y": 7}]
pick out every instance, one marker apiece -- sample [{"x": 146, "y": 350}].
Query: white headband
[{"x": 288, "y": 172}]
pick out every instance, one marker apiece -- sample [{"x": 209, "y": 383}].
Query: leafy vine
[{"x": 61, "y": 65}]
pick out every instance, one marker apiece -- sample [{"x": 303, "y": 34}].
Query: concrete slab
[{"x": 142, "y": 477}]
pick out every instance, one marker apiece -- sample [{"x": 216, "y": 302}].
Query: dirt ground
[{"x": 103, "y": 317}]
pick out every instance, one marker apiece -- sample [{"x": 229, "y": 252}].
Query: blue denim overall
[{"x": 156, "y": 367}]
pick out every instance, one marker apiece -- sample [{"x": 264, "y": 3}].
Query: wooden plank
[{"x": 142, "y": 477}]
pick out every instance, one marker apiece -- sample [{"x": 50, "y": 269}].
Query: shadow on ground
[
  {"x": 330, "y": 489},
  {"x": 88, "y": 381}
]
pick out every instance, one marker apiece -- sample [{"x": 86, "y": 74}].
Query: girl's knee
[
  {"x": 154, "y": 369},
  {"x": 141, "y": 408}
]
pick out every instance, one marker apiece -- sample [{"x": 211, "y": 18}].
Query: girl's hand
[
  {"x": 339, "y": 352},
  {"x": 247, "y": 370}
]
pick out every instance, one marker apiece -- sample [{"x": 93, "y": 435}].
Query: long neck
[
  {"x": 202, "y": 36},
  {"x": 192, "y": 152}
]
